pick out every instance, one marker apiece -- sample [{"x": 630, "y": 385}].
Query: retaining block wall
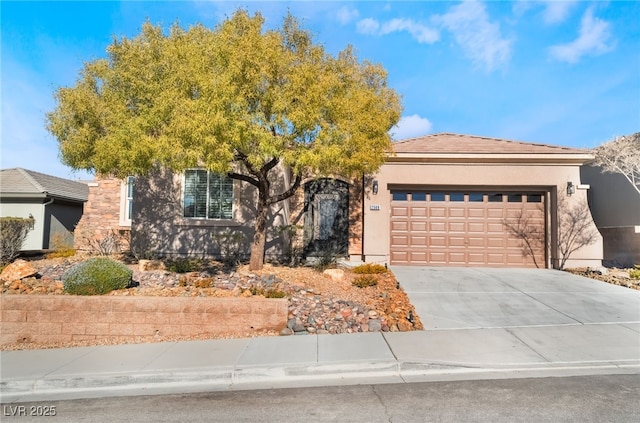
[{"x": 63, "y": 318}]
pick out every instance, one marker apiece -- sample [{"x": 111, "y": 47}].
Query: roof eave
[{"x": 493, "y": 158}]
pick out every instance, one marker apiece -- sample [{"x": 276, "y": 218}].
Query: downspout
[
  {"x": 362, "y": 257},
  {"x": 44, "y": 224}
]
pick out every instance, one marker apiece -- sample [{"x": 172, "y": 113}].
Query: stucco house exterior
[
  {"x": 442, "y": 199},
  {"x": 616, "y": 210},
  {"x": 55, "y": 203}
]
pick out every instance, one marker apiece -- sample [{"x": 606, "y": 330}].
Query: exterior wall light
[
  {"x": 375, "y": 187},
  {"x": 571, "y": 189}
]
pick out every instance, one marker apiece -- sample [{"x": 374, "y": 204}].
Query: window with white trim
[
  {"x": 126, "y": 201},
  {"x": 207, "y": 195}
]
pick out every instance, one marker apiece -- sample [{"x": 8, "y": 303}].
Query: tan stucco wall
[
  {"x": 469, "y": 175},
  {"x": 615, "y": 205},
  {"x": 158, "y": 227}
]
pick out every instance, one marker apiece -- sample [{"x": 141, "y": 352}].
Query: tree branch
[
  {"x": 246, "y": 178},
  {"x": 288, "y": 193}
]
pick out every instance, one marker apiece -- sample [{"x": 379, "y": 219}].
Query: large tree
[
  {"x": 237, "y": 99},
  {"x": 621, "y": 155}
]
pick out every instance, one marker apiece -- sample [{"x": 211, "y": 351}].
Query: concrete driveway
[{"x": 474, "y": 298}]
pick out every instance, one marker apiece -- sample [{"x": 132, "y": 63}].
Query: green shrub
[
  {"x": 369, "y": 269},
  {"x": 184, "y": 265},
  {"x": 635, "y": 273},
  {"x": 96, "y": 276},
  {"x": 13, "y": 232},
  {"x": 363, "y": 281}
]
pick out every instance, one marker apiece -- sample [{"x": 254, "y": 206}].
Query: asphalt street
[{"x": 573, "y": 399}]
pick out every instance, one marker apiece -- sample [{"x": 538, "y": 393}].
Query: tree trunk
[{"x": 256, "y": 261}]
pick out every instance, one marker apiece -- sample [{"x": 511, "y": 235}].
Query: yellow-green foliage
[
  {"x": 267, "y": 293},
  {"x": 96, "y": 276},
  {"x": 370, "y": 268},
  {"x": 237, "y": 93},
  {"x": 61, "y": 247},
  {"x": 635, "y": 273},
  {"x": 363, "y": 281}
]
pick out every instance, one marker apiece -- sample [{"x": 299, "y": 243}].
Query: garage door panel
[
  {"x": 476, "y": 258},
  {"x": 456, "y": 241},
  {"x": 478, "y": 227},
  {"x": 456, "y": 227},
  {"x": 473, "y": 241},
  {"x": 419, "y": 226},
  {"x": 437, "y": 241},
  {"x": 399, "y": 211},
  {"x": 476, "y": 212},
  {"x": 437, "y": 257},
  {"x": 438, "y": 226},
  {"x": 419, "y": 211},
  {"x": 437, "y": 212},
  {"x": 418, "y": 257},
  {"x": 399, "y": 240},
  {"x": 456, "y": 212},
  {"x": 418, "y": 240},
  {"x": 399, "y": 226},
  {"x": 460, "y": 232}
]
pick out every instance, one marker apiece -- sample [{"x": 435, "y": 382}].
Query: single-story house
[
  {"x": 442, "y": 199},
  {"x": 55, "y": 203},
  {"x": 615, "y": 205}
]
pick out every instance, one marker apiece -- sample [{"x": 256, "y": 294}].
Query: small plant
[
  {"x": 184, "y": 265},
  {"x": 204, "y": 283},
  {"x": 267, "y": 293},
  {"x": 106, "y": 245},
  {"x": 365, "y": 280},
  {"x": 13, "y": 233},
  {"x": 370, "y": 269},
  {"x": 61, "y": 247},
  {"x": 635, "y": 273},
  {"x": 96, "y": 276}
]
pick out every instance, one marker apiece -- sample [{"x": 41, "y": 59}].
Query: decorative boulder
[{"x": 17, "y": 270}]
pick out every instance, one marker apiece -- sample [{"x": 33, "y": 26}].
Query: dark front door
[{"x": 326, "y": 222}]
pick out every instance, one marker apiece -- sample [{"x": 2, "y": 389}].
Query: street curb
[{"x": 313, "y": 374}]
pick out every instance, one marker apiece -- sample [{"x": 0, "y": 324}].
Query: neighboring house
[
  {"x": 441, "y": 199},
  {"x": 55, "y": 203},
  {"x": 615, "y": 205}
]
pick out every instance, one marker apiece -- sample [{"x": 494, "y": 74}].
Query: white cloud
[
  {"x": 420, "y": 32},
  {"x": 368, "y": 26},
  {"x": 411, "y": 126},
  {"x": 347, "y": 14},
  {"x": 594, "y": 39},
  {"x": 479, "y": 38},
  {"x": 557, "y": 11}
]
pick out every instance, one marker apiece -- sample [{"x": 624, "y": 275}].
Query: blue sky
[{"x": 555, "y": 72}]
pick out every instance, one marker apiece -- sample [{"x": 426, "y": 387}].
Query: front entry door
[{"x": 326, "y": 220}]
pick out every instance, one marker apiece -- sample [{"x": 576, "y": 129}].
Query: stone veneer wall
[
  {"x": 101, "y": 216},
  {"x": 63, "y": 318}
]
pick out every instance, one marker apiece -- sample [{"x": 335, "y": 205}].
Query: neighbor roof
[
  {"x": 26, "y": 183},
  {"x": 447, "y": 143}
]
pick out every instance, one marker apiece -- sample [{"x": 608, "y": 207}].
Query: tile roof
[
  {"x": 443, "y": 143},
  {"x": 24, "y": 182}
]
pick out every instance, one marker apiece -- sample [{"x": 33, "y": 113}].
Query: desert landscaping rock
[
  {"x": 318, "y": 304},
  {"x": 17, "y": 270}
]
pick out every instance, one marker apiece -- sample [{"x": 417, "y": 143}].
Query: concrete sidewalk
[
  {"x": 318, "y": 360},
  {"x": 481, "y": 324}
]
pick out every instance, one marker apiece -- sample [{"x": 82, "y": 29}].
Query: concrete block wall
[{"x": 47, "y": 319}]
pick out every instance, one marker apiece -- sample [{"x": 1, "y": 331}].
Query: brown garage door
[{"x": 466, "y": 228}]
